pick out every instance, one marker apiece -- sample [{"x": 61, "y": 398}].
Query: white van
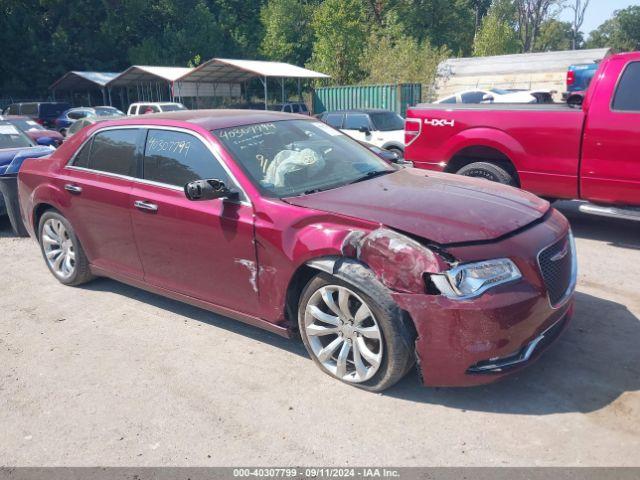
[{"x": 142, "y": 108}]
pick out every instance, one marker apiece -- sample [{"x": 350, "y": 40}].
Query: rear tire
[
  {"x": 61, "y": 250},
  {"x": 488, "y": 171},
  {"x": 385, "y": 360}
]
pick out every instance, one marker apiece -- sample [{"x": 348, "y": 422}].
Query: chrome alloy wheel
[
  {"x": 349, "y": 345},
  {"x": 58, "y": 248}
]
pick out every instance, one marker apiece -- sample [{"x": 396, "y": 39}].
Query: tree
[
  {"x": 556, "y": 35},
  {"x": 441, "y": 22},
  {"x": 496, "y": 36},
  {"x": 530, "y": 16},
  {"x": 396, "y": 58},
  {"x": 480, "y": 9},
  {"x": 287, "y": 31},
  {"x": 621, "y": 33},
  {"x": 341, "y": 34},
  {"x": 579, "y": 8}
]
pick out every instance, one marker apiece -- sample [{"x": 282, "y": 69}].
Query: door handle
[
  {"x": 144, "y": 205},
  {"x": 70, "y": 187}
]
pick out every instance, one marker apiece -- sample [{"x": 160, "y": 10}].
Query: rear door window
[
  {"x": 82, "y": 157},
  {"x": 473, "y": 97},
  {"x": 114, "y": 151},
  {"x": 77, "y": 114},
  {"x": 356, "y": 121},
  {"x": 143, "y": 109},
  {"x": 177, "y": 158},
  {"x": 626, "y": 97},
  {"x": 29, "y": 109},
  {"x": 334, "y": 119},
  {"x": 53, "y": 109}
]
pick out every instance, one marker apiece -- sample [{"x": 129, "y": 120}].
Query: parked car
[
  {"x": 69, "y": 117},
  {"x": 15, "y": 146},
  {"x": 44, "y": 113},
  {"x": 291, "y": 107},
  {"x": 143, "y": 108},
  {"x": 381, "y": 128},
  {"x": 579, "y": 77},
  {"x": 554, "y": 151},
  {"x": 496, "y": 95},
  {"x": 83, "y": 122},
  {"x": 34, "y": 130},
  {"x": 287, "y": 224}
]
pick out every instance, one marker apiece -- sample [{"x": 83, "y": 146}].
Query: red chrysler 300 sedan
[{"x": 282, "y": 222}]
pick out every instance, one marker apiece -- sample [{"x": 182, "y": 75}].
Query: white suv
[
  {"x": 141, "y": 108},
  {"x": 381, "y": 128}
]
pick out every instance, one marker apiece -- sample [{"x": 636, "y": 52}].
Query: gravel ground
[{"x": 107, "y": 374}]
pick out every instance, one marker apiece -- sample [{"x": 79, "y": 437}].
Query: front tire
[
  {"x": 61, "y": 250},
  {"x": 488, "y": 171},
  {"x": 397, "y": 151},
  {"x": 352, "y": 337}
]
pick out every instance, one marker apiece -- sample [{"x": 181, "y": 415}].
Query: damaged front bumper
[{"x": 481, "y": 341}]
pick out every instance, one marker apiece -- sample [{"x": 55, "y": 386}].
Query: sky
[{"x": 599, "y": 11}]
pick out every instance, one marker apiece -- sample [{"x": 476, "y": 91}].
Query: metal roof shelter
[
  {"x": 144, "y": 73},
  {"x": 225, "y": 70},
  {"x": 150, "y": 82},
  {"x": 76, "y": 81}
]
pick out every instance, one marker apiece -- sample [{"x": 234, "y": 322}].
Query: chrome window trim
[{"x": 245, "y": 199}]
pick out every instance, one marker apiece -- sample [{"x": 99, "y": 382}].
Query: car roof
[
  {"x": 213, "y": 119},
  {"x": 8, "y": 118},
  {"x": 156, "y": 103},
  {"x": 360, "y": 110}
]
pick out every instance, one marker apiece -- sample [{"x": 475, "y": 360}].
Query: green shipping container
[{"x": 396, "y": 98}]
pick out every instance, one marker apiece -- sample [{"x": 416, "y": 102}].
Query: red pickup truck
[{"x": 555, "y": 151}]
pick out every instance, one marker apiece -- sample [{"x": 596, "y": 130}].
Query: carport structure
[
  {"x": 80, "y": 82},
  {"x": 230, "y": 71},
  {"x": 149, "y": 83}
]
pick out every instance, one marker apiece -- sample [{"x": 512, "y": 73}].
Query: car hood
[
  {"x": 439, "y": 207},
  {"x": 35, "y": 134}
]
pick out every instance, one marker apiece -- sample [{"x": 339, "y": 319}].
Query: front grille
[{"x": 557, "y": 268}]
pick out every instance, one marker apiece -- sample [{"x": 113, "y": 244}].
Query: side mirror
[
  {"x": 488, "y": 98},
  {"x": 365, "y": 130},
  {"x": 208, "y": 190}
]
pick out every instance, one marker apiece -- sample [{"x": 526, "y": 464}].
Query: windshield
[
  {"x": 295, "y": 157},
  {"x": 27, "y": 125},
  {"x": 387, "y": 121},
  {"x": 107, "y": 111},
  {"x": 173, "y": 107},
  {"x": 11, "y": 137}
]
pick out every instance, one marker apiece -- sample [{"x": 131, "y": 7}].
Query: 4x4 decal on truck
[{"x": 435, "y": 122}]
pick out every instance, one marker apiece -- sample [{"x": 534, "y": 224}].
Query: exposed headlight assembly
[{"x": 473, "y": 279}]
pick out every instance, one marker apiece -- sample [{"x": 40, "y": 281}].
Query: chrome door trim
[{"x": 207, "y": 143}]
